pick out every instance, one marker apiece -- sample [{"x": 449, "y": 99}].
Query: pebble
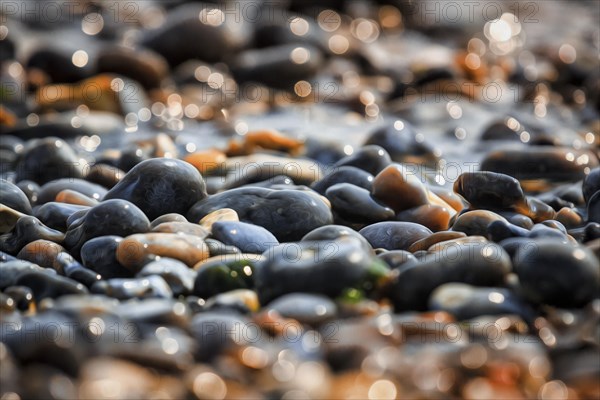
[
  {"x": 9, "y": 218},
  {"x": 72, "y": 197},
  {"x": 489, "y": 190},
  {"x": 334, "y": 232},
  {"x": 43, "y": 253},
  {"x": 182, "y": 227},
  {"x": 540, "y": 162},
  {"x": 355, "y": 204},
  {"x": 246, "y": 237},
  {"x": 121, "y": 288},
  {"x": 111, "y": 217},
  {"x": 104, "y": 175},
  {"x": 220, "y": 215},
  {"x": 287, "y": 214},
  {"x": 224, "y": 273},
  {"x": 403, "y": 143},
  {"x": 370, "y": 158},
  {"x": 55, "y": 215},
  {"x": 100, "y": 255},
  {"x": 44, "y": 285},
  {"x": 476, "y": 222},
  {"x": 320, "y": 267},
  {"x": 12, "y": 196},
  {"x": 160, "y": 186},
  {"x": 436, "y": 218},
  {"x": 178, "y": 275},
  {"x": 49, "y": 191},
  {"x": 216, "y": 248},
  {"x": 478, "y": 264},
  {"x": 345, "y": 174},
  {"x": 135, "y": 249},
  {"x": 26, "y": 230},
  {"x": 591, "y": 184},
  {"x": 397, "y": 259},
  {"x": 31, "y": 190},
  {"x": 400, "y": 189},
  {"x": 552, "y": 272},
  {"x": 434, "y": 238},
  {"x": 44, "y": 160},
  {"x": 394, "y": 235}
]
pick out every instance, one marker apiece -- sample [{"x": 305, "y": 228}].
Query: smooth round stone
[
  {"x": 171, "y": 217},
  {"x": 100, "y": 255},
  {"x": 223, "y": 274},
  {"x": 489, "y": 190},
  {"x": 12, "y": 196},
  {"x": 104, "y": 175},
  {"x": 274, "y": 66},
  {"x": 31, "y": 190},
  {"x": 356, "y": 204},
  {"x": 72, "y": 269},
  {"x": 141, "y": 288},
  {"x": 537, "y": 210},
  {"x": 44, "y": 160},
  {"x": 593, "y": 209},
  {"x": 461, "y": 241},
  {"x": 43, "y": 253},
  {"x": 305, "y": 308},
  {"x": 552, "y": 272},
  {"x": 111, "y": 217},
  {"x": 223, "y": 214},
  {"x": 500, "y": 230},
  {"x": 540, "y": 162},
  {"x": 287, "y": 214},
  {"x": 131, "y": 156},
  {"x": 448, "y": 196},
  {"x": 26, "y": 230},
  {"x": 206, "y": 161},
  {"x": 134, "y": 249},
  {"x": 8, "y": 218},
  {"x": 160, "y": 186},
  {"x": 184, "y": 22},
  {"x": 569, "y": 218},
  {"x": 371, "y": 158},
  {"x": 178, "y": 275},
  {"x": 475, "y": 264},
  {"x": 468, "y": 302},
  {"x": 476, "y": 222},
  {"x": 346, "y": 174},
  {"x": 334, "y": 232},
  {"x": 55, "y": 215},
  {"x": 322, "y": 267},
  {"x": 44, "y": 285},
  {"x": 21, "y": 295},
  {"x": 435, "y": 238},
  {"x": 182, "y": 227},
  {"x": 591, "y": 184},
  {"x": 49, "y": 191},
  {"x": 586, "y": 233},
  {"x": 517, "y": 219},
  {"x": 433, "y": 217},
  {"x": 400, "y": 140},
  {"x": 394, "y": 235},
  {"x": 72, "y": 197},
  {"x": 400, "y": 189},
  {"x": 397, "y": 258},
  {"x": 246, "y": 237},
  {"x": 216, "y": 248}
]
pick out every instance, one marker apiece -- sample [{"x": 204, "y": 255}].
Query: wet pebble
[
  {"x": 111, "y": 217},
  {"x": 104, "y": 175},
  {"x": 403, "y": 143},
  {"x": 248, "y": 238},
  {"x": 320, "y": 267},
  {"x": 44, "y": 160},
  {"x": 123, "y": 289},
  {"x": 435, "y": 238},
  {"x": 49, "y": 191},
  {"x": 397, "y": 258},
  {"x": 216, "y": 248},
  {"x": 355, "y": 204},
  {"x": 287, "y": 214},
  {"x": 44, "y": 285},
  {"x": 305, "y": 308},
  {"x": 394, "y": 235},
  {"x": 55, "y": 215},
  {"x": 489, "y": 190},
  {"x": 225, "y": 273},
  {"x": 370, "y": 158},
  {"x": 27, "y": 230},
  {"x": 399, "y": 188},
  {"x": 476, "y": 222},
  {"x": 12, "y": 196},
  {"x": 100, "y": 255},
  {"x": 559, "y": 274},
  {"x": 345, "y": 174},
  {"x": 134, "y": 250},
  {"x": 178, "y": 275},
  {"x": 160, "y": 186},
  {"x": 478, "y": 264},
  {"x": 433, "y": 217}
]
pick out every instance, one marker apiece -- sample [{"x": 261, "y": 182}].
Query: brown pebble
[
  {"x": 223, "y": 214},
  {"x": 8, "y": 218},
  {"x": 182, "y": 227},
  {"x": 443, "y": 246},
  {"x": 476, "y": 222},
  {"x": 43, "y": 253},
  {"x": 134, "y": 249},
  {"x": 433, "y": 217},
  {"x": 569, "y": 218},
  {"x": 399, "y": 189},
  {"x": 437, "y": 237},
  {"x": 207, "y": 160},
  {"x": 73, "y": 197}
]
